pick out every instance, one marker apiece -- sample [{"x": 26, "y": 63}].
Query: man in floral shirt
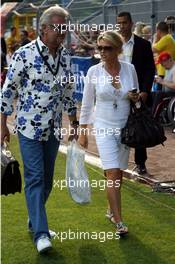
[{"x": 36, "y": 73}]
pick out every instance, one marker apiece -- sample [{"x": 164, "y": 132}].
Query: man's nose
[{"x": 121, "y": 26}]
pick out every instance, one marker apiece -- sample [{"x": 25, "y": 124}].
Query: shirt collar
[
  {"x": 131, "y": 40},
  {"x": 43, "y": 48}
]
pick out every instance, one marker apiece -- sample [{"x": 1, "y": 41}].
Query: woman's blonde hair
[{"x": 113, "y": 37}]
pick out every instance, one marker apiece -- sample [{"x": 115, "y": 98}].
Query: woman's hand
[
  {"x": 134, "y": 97},
  {"x": 83, "y": 140},
  {"x": 143, "y": 96}
]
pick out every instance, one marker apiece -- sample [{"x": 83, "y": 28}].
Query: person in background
[
  {"x": 12, "y": 42},
  {"x": 138, "y": 51},
  {"x": 138, "y": 28},
  {"x": 35, "y": 72},
  {"x": 168, "y": 82},
  {"x": 32, "y": 33},
  {"x": 163, "y": 41},
  {"x": 170, "y": 20},
  {"x": 147, "y": 33},
  {"x": 24, "y": 37},
  {"x": 168, "y": 63},
  {"x": 111, "y": 97}
]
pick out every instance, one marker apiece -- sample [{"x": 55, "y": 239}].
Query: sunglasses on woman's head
[{"x": 105, "y": 48}]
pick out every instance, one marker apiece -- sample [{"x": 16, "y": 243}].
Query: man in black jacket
[{"x": 138, "y": 52}]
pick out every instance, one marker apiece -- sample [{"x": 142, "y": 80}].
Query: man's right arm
[{"x": 9, "y": 91}]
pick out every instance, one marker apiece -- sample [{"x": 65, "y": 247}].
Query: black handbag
[
  {"x": 141, "y": 129},
  {"x": 10, "y": 174}
]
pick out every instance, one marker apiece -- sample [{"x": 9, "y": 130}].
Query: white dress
[{"x": 110, "y": 112}]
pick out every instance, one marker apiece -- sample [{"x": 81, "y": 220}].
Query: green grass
[{"x": 151, "y": 239}]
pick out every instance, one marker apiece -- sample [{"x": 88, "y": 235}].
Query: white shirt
[
  {"x": 127, "y": 50},
  {"x": 169, "y": 76},
  {"x": 112, "y": 105}
]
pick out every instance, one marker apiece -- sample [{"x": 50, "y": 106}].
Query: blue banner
[{"x": 80, "y": 66}]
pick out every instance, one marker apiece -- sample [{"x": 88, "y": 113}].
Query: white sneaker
[{"x": 43, "y": 244}]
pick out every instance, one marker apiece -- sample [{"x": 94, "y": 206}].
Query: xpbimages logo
[
  {"x": 80, "y": 77},
  {"x": 101, "y": 184},
  {"x": 81, "y": 235},
  {"x": 102, "y": 132},
  {"x": 85, "y": 27}
]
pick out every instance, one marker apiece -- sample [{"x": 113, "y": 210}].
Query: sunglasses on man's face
[{"x": 105, "y": 48}]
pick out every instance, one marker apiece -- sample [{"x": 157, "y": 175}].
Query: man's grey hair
[{"x": 47, "y": 15}]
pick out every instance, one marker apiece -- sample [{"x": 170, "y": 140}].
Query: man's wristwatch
[{"x": 74, "y": 123}]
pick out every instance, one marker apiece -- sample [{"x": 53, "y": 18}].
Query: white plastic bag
[{"x": 76, "y": 174}]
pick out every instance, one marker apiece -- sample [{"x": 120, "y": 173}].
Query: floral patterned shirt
[{"x": 41, "y": 95}]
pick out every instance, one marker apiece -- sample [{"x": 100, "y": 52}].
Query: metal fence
[{"x": 104, "y": 11}]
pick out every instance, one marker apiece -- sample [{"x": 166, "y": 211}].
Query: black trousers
[
  {"x": 140, "y": 156},
  {"x": 140, "y": 153}
]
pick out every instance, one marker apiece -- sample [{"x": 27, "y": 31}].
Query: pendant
[
  {"x": 115, "y": 99},
  {"x": 115, "y": 103}
]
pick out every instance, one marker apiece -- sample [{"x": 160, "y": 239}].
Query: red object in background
[{"x": 163, "y": 56}]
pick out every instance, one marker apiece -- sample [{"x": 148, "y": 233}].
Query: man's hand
[
  {"x": 5, "y": 134},
  {"x": 158, "y": 79},
  {"x": 83, "y": 140},
  {"x": 74, "y": 128},
  {"x": 73, "y": 133},
  {"x": 156, "y": 38}
]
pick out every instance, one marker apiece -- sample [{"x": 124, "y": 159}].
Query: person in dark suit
[{"x": 138, "y": 51}]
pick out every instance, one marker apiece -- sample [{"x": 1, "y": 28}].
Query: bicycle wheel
[
  {"x": 163, "y": 115},
  {"x": 171, "y": 111}
]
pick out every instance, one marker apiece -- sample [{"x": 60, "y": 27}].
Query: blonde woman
[
  {"x": 108, "y": 84},
  {"x": 138, "y": 28}
]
